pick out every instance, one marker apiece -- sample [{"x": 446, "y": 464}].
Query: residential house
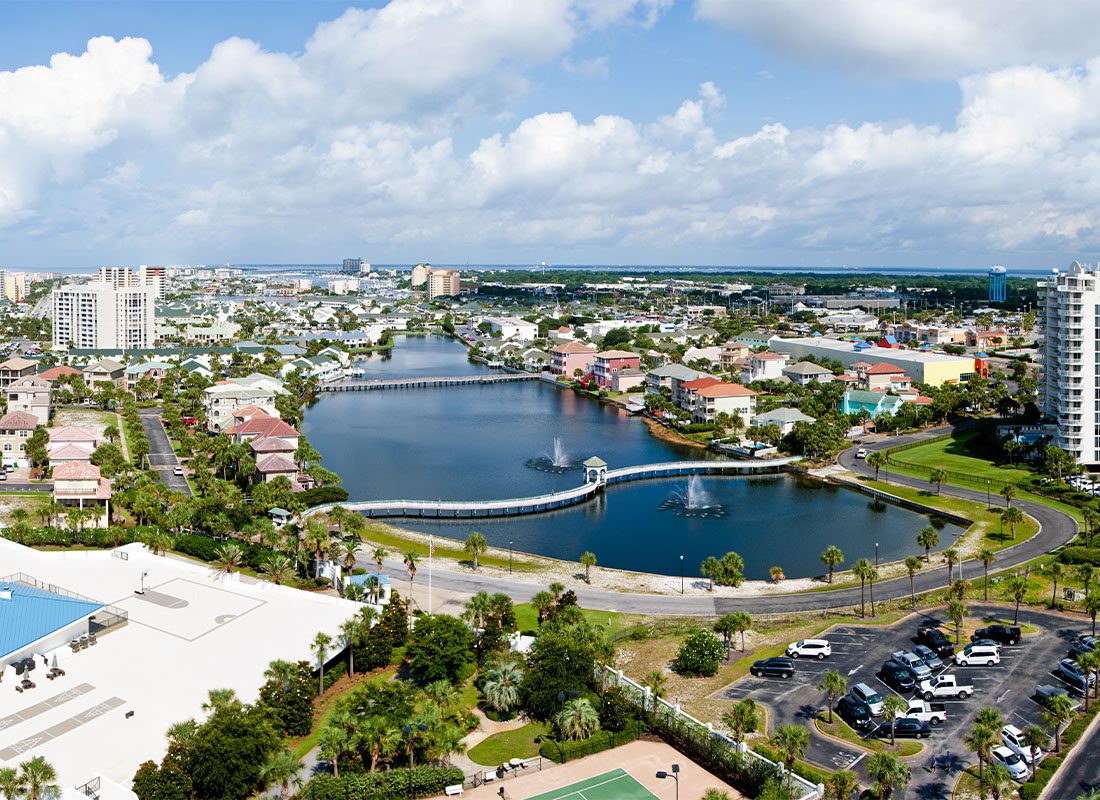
[
  {"x": 876, "y": 404},
  {"x": 223, "y": 398},
  {"x": 986, "y": 339},
  {"x": 154, "y": 370},
  {"x": 54, "y": 374},
  {"x": 325, "y": 368},
  {"x": 719, "y": 398},
  {"x": 764, "y": 367},
  {"x": 712, "y": 355},
  {"x": 624, "y": 380},
  {"x": 513, "y": 328},
  {"x": 671, "y": 377},
  {"x": 16, "y": 428},
  {"x": 105, "y": 370},
  {"x": 572, "y": 358},
  {"x": 806, "y": 372},
  {"x": 30, "y": 394},
  {"x": 684, "y": 395},
  {"x": 71, "y": 443},
  {"x": 783, "y": 418},
  {"x": 535, "y": 359},
  {"x": 194, "y": 365},
  {"x": 608, "y": 362},
  {"x": 883, "y": 377},
  {"x": 15, "y": 368},
  {"x": 732, "y": 353},
  {"x": 79, "y": 484}
]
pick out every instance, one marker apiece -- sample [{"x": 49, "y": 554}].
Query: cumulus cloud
[{"x": 916, "y": 38}]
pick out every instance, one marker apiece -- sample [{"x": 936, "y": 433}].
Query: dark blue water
[{"x": 478, "y": 442}]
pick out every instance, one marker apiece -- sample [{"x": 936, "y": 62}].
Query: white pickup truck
[
  {"x": 932, "y": 713},
  {"x": 943, "y": 686}
]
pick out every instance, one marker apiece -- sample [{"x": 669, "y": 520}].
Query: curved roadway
[{"x": 1056, "y": 529}]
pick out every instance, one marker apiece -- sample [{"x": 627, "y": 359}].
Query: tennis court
[{"x": 613, "y": 785}]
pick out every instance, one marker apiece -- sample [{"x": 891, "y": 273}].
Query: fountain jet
[{"x": 693, "y": 501}]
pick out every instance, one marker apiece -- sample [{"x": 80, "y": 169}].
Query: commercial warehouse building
[{"x": 922, "y": 366}]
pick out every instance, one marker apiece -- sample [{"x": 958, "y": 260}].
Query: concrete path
[
  {"x": 162, "y": 458},
  {"x": 1056, "y": 529}
]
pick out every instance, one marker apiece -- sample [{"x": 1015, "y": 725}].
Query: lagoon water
[{"x": 494, "y": 441}]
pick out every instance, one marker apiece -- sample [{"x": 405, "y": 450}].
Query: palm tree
[
  {"x": 959, "y": 589},
  {"x": 956, "y": 612},
  {"x": 877, "y": 461},
  {"x": 709, "y": 569},
  {"x": 379, "y": 555},
  {"x": 181, "y": 733},
  {"x": 588, "y": 560},
  {"x": 280, "y": 671},
  {"x": 790, "y": 743},
  {"x": 1008, "y": 492},
  {"x": 332, "y": 743},
  {"x": 832, "y": 558},
  {"x": 1092, "y": 608},
  {"x": 1056, "y": 573},
  {"x": 981, "y": 739},
  {"x": 278, "y": 568},
  {"x": 742, "y": 719},
  {"x": 1089, "y": 663},
  {"x": 655, "y": 681},
  {"x": 951, "y": 556},
  {"x": 726, "y": 626},
  {"x": 912, "y": 566},
  {"x": 543, "y": 602},
  {"x": 887, "y": 772},
  {"x": 228, "y": 558},
  {"x": 217, "y": 699},
  {"x": 320, "y": 645},
  {"x": 776, "y": 574},
  {"x": 937, "y": 477},
  {"x": 834, "y": 685},
  {"x": 928, "y": 538},
  {"x": 996, "y": 781},
  {"x": 476, "y": 545},
  {"x": 862, "y": 569},
  {"x": 1058, "y": 714},
  {"x": 350, "y": 549},
  {"x": 577, "y": 719},
  {"x": 10, "y": 785},
  {"x": 350, "y": 631},
  {"x": 317, "y": 541},
  {"x": 742, "y": 621},
  {"x": 892, "y": 708},
  {"x": 1086, "y": 573},
  {"x": 1017, "y": 587},
  {"x": 502, "y": 686},
  {"x": 1092, "y": 522},
  {"x": 411, "y": 557},
  {"x": 991, "y": 717},
  {"x": 987, "y": 557},
  {"x": 1036, "y": 738},
  {"x": 842, "y": 784},
  {"x": 37, "y": 776},
  {"x": 1012, "y": 516},
  {"x": 283, "y": 769}
]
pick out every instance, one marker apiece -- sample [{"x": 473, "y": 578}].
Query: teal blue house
[{"x": 874, "y": 403}]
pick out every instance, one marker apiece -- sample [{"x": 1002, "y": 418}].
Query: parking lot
[{"x": 858, "y": 654}]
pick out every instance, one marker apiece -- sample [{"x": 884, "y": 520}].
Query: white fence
[{"x": 642, "y": 697}]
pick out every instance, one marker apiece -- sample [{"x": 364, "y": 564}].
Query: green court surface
[{"x": 614, "y": 785}]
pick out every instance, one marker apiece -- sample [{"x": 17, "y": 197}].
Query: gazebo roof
[{"x": 595, "y": 461}]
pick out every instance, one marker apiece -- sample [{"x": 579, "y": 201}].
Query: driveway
[
  {"x": 162, "y": 459},
  {"x": 858, "y": 653}
]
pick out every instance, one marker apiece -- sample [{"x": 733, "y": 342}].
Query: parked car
[
  {"x": 987, "y": 643},
  {"x": 978, "y": 654},
  {"x": 1072, "y": 674},
  {"x": 855, "y": 713},
  {"x": 897, "y": 676},
  {"x": 810, "y": 648},
  {"x": 905, "y": 728},
  {"x": 1084, "y": 644},
  {"x": 178, "y": 471},
  {"x": 937, "y": 640},
  {"x": 1013, "y": 739},
  {"x": 919, "y": 669},
  {"x": 773, "y": 668},
  {"x": 929, "y": 657},
  {"x": 944, "y": 686},
  {"x": 861, "y": 452},
  {"x": 1011, "y": 761},
  {"x": 932, "y": 713},
  {"x": 1003, "y": 634},
  {"x": 1044, "y": 692},
  {"x": 865, "y": 694}
]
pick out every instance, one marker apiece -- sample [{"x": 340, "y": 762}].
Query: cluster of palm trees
[
  {"x": 994, "y": 779},
  {"x": 31, "y": 780}
]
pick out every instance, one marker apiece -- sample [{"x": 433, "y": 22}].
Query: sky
[{"x": 695, "y": 132}]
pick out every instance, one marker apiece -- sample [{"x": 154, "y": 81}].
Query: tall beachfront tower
[
  {"x": 998, "y": 285},
  {"x": 1070, "y": 382}
]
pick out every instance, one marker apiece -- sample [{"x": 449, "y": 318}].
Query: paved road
[
  {"x": 1056, "y": 529},
  {"x": 162, "y": 458}
]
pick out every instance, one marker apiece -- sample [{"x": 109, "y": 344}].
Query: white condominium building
[
  {"x": 100, "y": 316},
  {"x": 1069, "y": 391},
  {"x": 120, "y": 277}
]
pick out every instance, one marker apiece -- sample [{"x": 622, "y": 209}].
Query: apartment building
[
  {"x": 443, "y": 283},
  {"x": 572, "y": 358},
  {"x": 128, "y": 277},
  {"x": 102, "y": 316}
]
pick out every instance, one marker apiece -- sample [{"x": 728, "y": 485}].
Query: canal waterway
[{"x": 497, "y": 441}]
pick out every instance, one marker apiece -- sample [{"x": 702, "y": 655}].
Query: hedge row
[
  {"x": 113, "y": 536},
  {"x": 596, "y": 743},
  {"x": 421, "y": 781},
  {"x": 1078, "y": 554}
]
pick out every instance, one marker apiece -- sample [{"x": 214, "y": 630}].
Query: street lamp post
[
  {"x": 673, "y": 773},
  {"x": 509, "y": 556},
  {"x": 876, "y": 555},
  {"x": 987, "y": 492},
  {"x": 681, "y": 574}
]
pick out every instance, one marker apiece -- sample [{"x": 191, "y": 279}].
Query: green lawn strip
[
  {"x": 954, "y": 455},
  {"x": 445, "y": 548},
  {"x": 612, "y": 622},
  {"x": 500, "y": 747},
  {"x": 839, "y": 729}
]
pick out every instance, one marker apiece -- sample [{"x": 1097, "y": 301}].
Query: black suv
[
  {"x": 898, "y": 676},
  {"x": 773, "y": 667},
  {"x": 855, "y": 713},
  {"x": 937, "y": 640},
  {"x": 1005, "y": 634}
]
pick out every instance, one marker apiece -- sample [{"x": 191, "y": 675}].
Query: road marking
[
  {"x": 1003, "y": 696},
  {"x": 852, "y": 672},
  {"x": 860, "y": 758}
]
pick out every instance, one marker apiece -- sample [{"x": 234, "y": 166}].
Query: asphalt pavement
[{"x": 162, "y": 458}]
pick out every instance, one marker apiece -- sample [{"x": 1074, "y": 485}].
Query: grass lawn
[
  {"x": 841, "y": 730},
  {"x": 402, "y": 542},
  {"x": 518, "y": 743},
  {"x": 955, "y": 455},
  {"x": 614, "y": 623}
]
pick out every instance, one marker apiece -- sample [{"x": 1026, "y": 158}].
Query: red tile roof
[
  {"x": 19, "y": 421},
  {"x": 76, "y": 471},
  {"x": 271, "y": 444},
  {"x": 882, "y": 368},
  {"x": 276, "y": 463},
  {"x": 725, "y": 390},
  {"x": 262, "y": 426},
  {"x": 699, "y": 383},
  {"x": 573, "y": 347},
  {"x": 53, "y": 373}
]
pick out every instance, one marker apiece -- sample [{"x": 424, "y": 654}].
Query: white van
[
  {"x": 865, "y": 694},
  {"x": 978, "y": 654}
]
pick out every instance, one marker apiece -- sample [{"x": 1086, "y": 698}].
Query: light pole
[
  {"x": 674, "y": 773},
  {"x": 987, "y": 492},
  {"x": 509, "y": 556},
  {"x": 681, "y": 574},
  {"x": 876, "y": 555}
]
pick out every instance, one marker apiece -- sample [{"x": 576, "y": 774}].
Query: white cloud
[
  {"x": 916, "y": 38},
  {"x": 588, "y": 69}
]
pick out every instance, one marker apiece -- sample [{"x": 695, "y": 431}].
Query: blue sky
[{"x": 595, "y": 131}]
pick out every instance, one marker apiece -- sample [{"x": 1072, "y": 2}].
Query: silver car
[
  {"x": 929, "y": 657},
  {"x": 920, "y": 670}
]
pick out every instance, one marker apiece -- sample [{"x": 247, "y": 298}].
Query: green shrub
[
  {"x": 596, "y": 743},
  {"x": 424, "y": 781},
  {"x": 204, "y": 548},
  {"x": 1078, "y": 554},
  {"x": 320, "y": 495},
  {"x": 701, "y": 653},
  {"x": 1031, "y": 790}
]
